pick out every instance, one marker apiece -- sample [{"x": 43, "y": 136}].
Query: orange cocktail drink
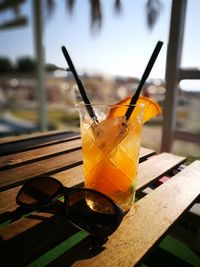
[
  {"x": 111, "y": 138},
  {"x": 111, "y": 150}
]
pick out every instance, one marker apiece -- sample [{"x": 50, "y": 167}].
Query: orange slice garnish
[{"x": 151, "y": 108}]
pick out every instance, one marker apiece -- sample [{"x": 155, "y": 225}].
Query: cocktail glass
[{"x": 110, "y": 148}]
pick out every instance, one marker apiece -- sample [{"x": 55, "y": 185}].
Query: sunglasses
[{"x": 87, "y": 209}]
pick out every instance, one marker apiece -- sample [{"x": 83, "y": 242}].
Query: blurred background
[{"x": 110, "y": 43}]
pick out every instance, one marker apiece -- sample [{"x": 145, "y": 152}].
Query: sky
[{"x": 122, "y": 47}]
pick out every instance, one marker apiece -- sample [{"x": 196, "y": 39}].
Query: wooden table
[{"x": 41, "y": 238}]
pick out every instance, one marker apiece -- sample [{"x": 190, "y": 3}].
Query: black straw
[
  {"x": 143, "y": 79},
  {"x": 80, "y": 85}
]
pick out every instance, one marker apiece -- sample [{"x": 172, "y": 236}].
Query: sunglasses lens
[
  {"x": 93, "y": 212},
  {"x": 38, "y": 192}
]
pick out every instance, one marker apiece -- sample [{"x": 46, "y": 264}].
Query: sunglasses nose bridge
[{"x": 66, "y": 193}]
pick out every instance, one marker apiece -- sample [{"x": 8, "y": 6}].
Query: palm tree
[{"x": 153, "y": 8}]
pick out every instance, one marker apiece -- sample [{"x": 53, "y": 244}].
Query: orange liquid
[{"x": 110, "y": 157}]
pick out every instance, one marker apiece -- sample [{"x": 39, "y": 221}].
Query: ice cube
[{"x": 109, "y": 133}]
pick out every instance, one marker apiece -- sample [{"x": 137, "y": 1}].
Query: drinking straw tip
[
  {"x": 79, "y": 84},
  {"x": 64, "y": 50},
  {"x": 143, "y": 79},
  {"x": 160, "y": 43}
]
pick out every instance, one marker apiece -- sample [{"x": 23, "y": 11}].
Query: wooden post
[
  {"x": 39, "y": 54},
  {"x": 174, "y": 52}
]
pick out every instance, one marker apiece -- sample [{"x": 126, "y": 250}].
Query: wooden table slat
[
  {"x": 34, "y": 154},
  {"x": 22, "y": 138},
  {"x": 152, "y": 217},
  {"x": 35, "y": 141},
  {"x": 161, "y": 163},
  {"x": 15, "y": 176}
]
